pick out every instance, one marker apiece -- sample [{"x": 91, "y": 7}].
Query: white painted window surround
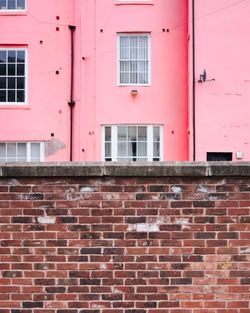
[
  {"x": 13, "y": 5},
  {"x": 134, "y": 64},
  {"x": 21, "y": 151},
  {"x": 132, "y": 143},
  {"x": 13, "y": 75}
]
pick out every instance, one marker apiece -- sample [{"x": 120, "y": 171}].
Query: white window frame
[
  {"x": 15, "y": 10},
  {"x": 4, "y": 48},
  {"x": 114, "y": 141},
  {"x": 28, "y": 151},
  {"x": 119, "y": 35}
]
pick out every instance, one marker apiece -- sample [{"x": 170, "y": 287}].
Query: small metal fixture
[
  {"x": 134, "y": 92},
  {"x": 203, "y": 77}
]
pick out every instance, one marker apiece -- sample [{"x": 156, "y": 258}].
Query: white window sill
[
  {"x": 13, "y": 12},
  {"x": 133, "y": 86},
  {"x": 14, "y": 106},
  {"x": 134, "y": 2}
]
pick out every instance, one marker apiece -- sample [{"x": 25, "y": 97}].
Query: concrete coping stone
[{"x": 130, "y": 169}]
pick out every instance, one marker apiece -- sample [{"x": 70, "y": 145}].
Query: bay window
[
  {"x": 21, "y": 151},
  {"x": 132, "y": 143}
]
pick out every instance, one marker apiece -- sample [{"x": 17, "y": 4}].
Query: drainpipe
[
  {"x": 194, "y": 96},
  {"x": 71, "y": 102}
]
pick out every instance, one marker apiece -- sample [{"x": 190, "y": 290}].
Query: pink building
[{"x": 91, "y": 80}]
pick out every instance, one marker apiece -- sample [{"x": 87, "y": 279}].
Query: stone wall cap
[{"x": 135, "y": 169}]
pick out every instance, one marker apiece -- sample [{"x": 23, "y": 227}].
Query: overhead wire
[{"x": 152, "y": 35}]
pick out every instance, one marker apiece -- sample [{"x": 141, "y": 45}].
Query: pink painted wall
[
  {"x": 47, "y": 109},
  {"x": 223, "y": 49},
  {"x": 99, "y": 100}
]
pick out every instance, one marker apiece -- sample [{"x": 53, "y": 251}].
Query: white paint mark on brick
[
  {"x": 108, "y": 197},
  {"x": 222, "y": 182},
  {"x": 131, "y": 227},
  {"x": 70, "y": 190},
  {"x": 88, "y": 189},
  {"x": 97, "y": 306},
  {"x": 145, "y": 227},
  {"x": 202, "y": 189},
  {"x": 46, "y": 219},
  {"x": 103, "y": 266},
  {"x": 176, "y": 189},
  {"x": 116, "y": 290},
  {"x": 247, "y": 250},
  {"x": 14, "y": 182},
  {"x": 181, "y": 221}
]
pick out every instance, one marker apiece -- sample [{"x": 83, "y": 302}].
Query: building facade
[{"x": 123, "y": 80}]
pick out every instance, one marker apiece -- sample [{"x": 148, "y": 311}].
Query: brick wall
[{"x": 124, "y": 244}]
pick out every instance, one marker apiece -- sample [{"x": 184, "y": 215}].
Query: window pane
[
  {"x": 20, "y": 56},
  {"x": 11, "y": 4},
  {"x": 20, "y": 83},
  {"x": 3, "y": 97},
  {"x": 3, "y": 83},
  {"x": 156, "y": 151},
  {"x": 2, "y": 150},
  {"x": 124, "y": 78},
  {"x": 132, "y": 149},
  {"x": 132, "y": 133},
  {"x": 107, "y": 149},
  {"x": 35, "y": 152},
  {"x": 156, "y": 133},
  {"x": 11, "y": 150},
  {"x": 11, "y": 69},
  {"x": 20, "y": 69},
  {"x": 107, "y": 133},
  {"x": 142, "y": 149},
  {"x": 122, "y": 149},
  {"x": 122, "y": 133},
  {"x": 11, "y": 56},
  {"x": 3, "y": 56},
  {"x": 21, "y": 150},
  {"x": 20, "y": 96},
  {"x": 3, "y": 5},
  {"x": 11, "y": 95},
  {"x": 142, "y": 133},
  {"x": 11, "y": 83},
  {"x": 3, "y": 70},
  {"x": 20, "y": 4}
]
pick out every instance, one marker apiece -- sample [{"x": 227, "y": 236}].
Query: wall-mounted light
[{"x": 134, "y": 92}]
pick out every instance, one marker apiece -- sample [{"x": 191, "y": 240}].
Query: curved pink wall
[
  {"x": 101, "y": 101},
  {"x": 223, "y": 49}
]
